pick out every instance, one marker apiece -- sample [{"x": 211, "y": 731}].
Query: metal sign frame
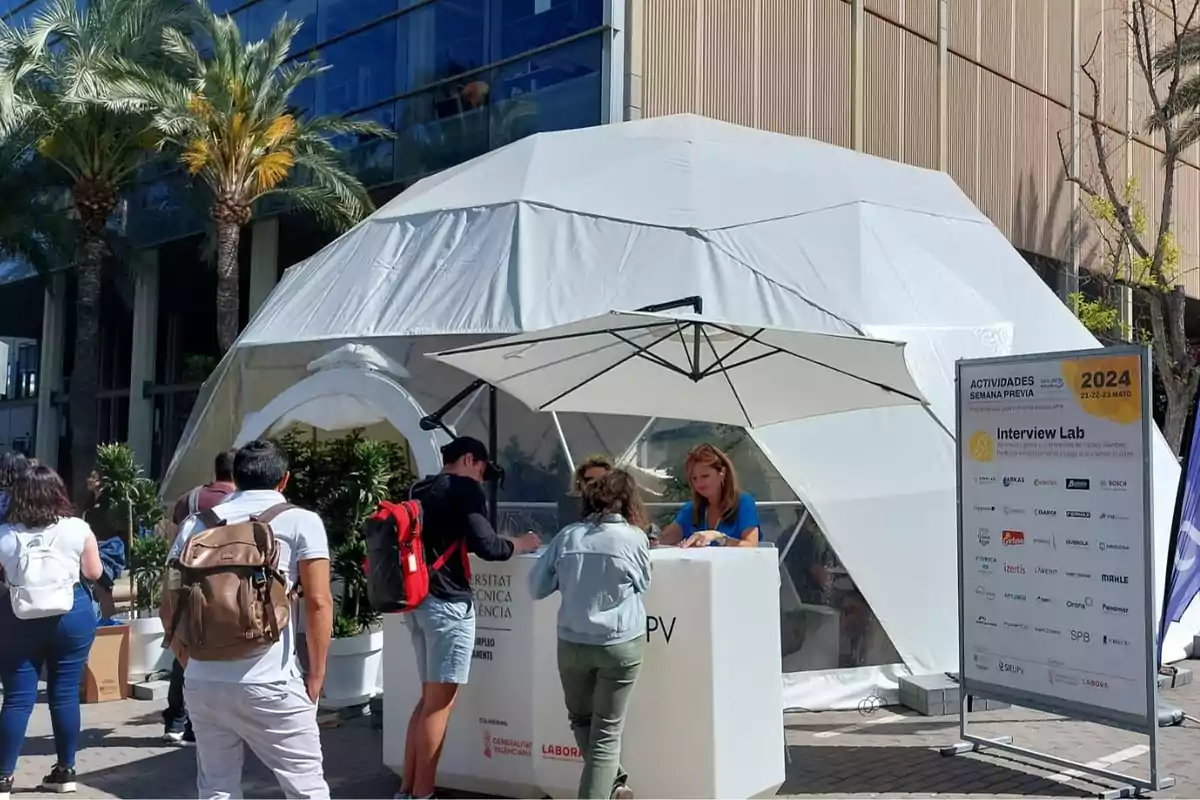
[{"x": 968, "y": 687}]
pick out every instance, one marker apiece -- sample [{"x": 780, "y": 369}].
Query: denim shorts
[{"x": 443, "y": 636}]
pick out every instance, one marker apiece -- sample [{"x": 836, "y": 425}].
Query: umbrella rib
[
  {"x": 719, "y": 363},
  {"x": 779, "y": 350},
  {"x": 501, "y": 343},
  {"x": 604, "y": 371},
  {"x": 651, "y": 357},
  {"x": 725, "y": 373}
]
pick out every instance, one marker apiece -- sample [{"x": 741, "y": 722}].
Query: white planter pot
[
  {"x": 352, "y": 668},
  {"x": 146, "y": 653}
]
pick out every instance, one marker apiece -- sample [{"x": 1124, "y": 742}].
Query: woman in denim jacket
[{"x": 602, "y": 568}]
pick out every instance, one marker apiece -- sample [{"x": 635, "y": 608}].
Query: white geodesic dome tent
[{"x": 767, "y": 229}]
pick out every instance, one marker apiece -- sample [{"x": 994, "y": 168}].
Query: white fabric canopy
[{"x": 769, "y": 230}]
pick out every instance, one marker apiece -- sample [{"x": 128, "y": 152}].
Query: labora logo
[{"x": 1012, "y": 480}]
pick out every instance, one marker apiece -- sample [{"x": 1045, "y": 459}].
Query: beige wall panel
[
  {"x": 1032, "y": 212},
  {"x": 1029, "y": 30},
  {"x": 920, "y": 102},
  {"x": 920, "y": 16},
  {"x": 891, "y": 9},
  {"x": 1116, "y": 64},
  {"x": 831, "y": 72},
  {"x": 727, "y": 60},
  {"x": 964, "y": 17},
  {"x": 964, "y": 124},
  {"x": 883, "y": 89},
  {"x": 783, "y": 106},
  {"x": 1187, "y": 226},
  {"x": 996, "y": 36},
  {"x": 1055, "y": 236},
  {"x": 1058, "y": 51},
  {"x": 670, "y": 79},
  {"x": 995, "y": 194}
]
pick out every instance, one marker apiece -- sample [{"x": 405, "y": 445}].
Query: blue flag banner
[{"x": 1183, "y": 581}]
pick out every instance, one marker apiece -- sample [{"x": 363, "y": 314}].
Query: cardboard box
[{"x": 107, "y": 673}]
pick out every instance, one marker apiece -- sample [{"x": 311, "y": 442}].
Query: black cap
[{"x": 470, "y": 446}]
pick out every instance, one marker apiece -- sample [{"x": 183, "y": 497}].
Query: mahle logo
[{"x": 981, "y": 446}]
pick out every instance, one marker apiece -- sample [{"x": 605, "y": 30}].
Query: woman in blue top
[{"x": 719, "y": 513}]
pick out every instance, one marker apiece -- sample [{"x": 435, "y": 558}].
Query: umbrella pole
[{"x": 494, "y": 483}]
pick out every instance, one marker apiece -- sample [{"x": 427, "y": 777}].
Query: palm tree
[
  {"x": 230, "y": 118},
  {"x": 33, "y": 228},
  {"x": 52, "y": 79}
]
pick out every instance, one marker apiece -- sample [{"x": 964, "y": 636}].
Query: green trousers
[{"x": 597, "y": 683}]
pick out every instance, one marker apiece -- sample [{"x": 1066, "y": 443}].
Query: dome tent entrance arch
[{"x": 371, "y": 391}]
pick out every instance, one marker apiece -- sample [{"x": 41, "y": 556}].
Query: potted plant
[
  {"x": 343, "y": 480},
  {"x": 131, "y": 499}
]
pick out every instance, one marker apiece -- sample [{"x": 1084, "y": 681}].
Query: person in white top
[
  {"x": 264, "y": 702},
  {"x": 46, "y": 619}
]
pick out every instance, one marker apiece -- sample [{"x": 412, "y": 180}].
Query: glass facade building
[{"x": 452, "y": 78}]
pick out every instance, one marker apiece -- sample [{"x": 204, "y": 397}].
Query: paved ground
[{"x": 888, "y": 753}]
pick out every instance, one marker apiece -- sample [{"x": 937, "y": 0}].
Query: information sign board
[{"x": 1055, "y": 531}]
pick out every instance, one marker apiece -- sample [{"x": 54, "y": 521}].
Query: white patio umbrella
[{"x": 692, "y": 368}]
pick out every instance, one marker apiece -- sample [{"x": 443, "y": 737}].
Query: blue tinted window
[
  {"x": 224, "y": 6},
  {"x": 335, "y": 17},
  {"x": 441, "y": 40},
  {"x": 554, "y": 90},
  {"x": 371, "y": 159},
  {"x": 362, "y": 70},
  {"x": 521, "y": 25},
  {"x": 441, "y": 127},
  {"x": 261, "y": 17}
]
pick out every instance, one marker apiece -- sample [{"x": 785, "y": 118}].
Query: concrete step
[
  {"x": 938, "y": 695},
  {"x": 149, "y": 690},
  {"x": 1182, "y": 677}
]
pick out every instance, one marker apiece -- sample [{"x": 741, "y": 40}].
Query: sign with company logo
[
  {"x": 1012, "y": 538},
  {"x": 1052, "y": 464}
]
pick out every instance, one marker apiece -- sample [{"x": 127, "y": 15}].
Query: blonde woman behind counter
[{"x": 719, "y": 513}]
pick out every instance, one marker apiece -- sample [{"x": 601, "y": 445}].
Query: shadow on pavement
[{"x": 888, "y": 771}]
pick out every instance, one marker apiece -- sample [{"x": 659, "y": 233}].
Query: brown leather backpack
[{"x": 230, "y": 600}]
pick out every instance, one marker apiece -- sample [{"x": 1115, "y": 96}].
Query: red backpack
[{"x": 397, "y": 574}]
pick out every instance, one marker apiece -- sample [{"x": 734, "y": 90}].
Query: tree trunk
[
  {"x": 228, "y": 297},
  {"x": 1176, "y": 419},
  {"x": 85, "y": 374}
]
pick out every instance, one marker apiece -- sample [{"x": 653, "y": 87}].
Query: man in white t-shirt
[{"x": 265, "y": 702}]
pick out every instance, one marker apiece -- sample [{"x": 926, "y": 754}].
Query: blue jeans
[{"x": 61, "y": 643}]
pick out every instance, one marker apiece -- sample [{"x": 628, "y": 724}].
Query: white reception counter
[{"x": 707, "y": 717}]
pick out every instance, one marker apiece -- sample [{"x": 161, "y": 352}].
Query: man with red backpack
[{"x": 455, "y": 523}]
